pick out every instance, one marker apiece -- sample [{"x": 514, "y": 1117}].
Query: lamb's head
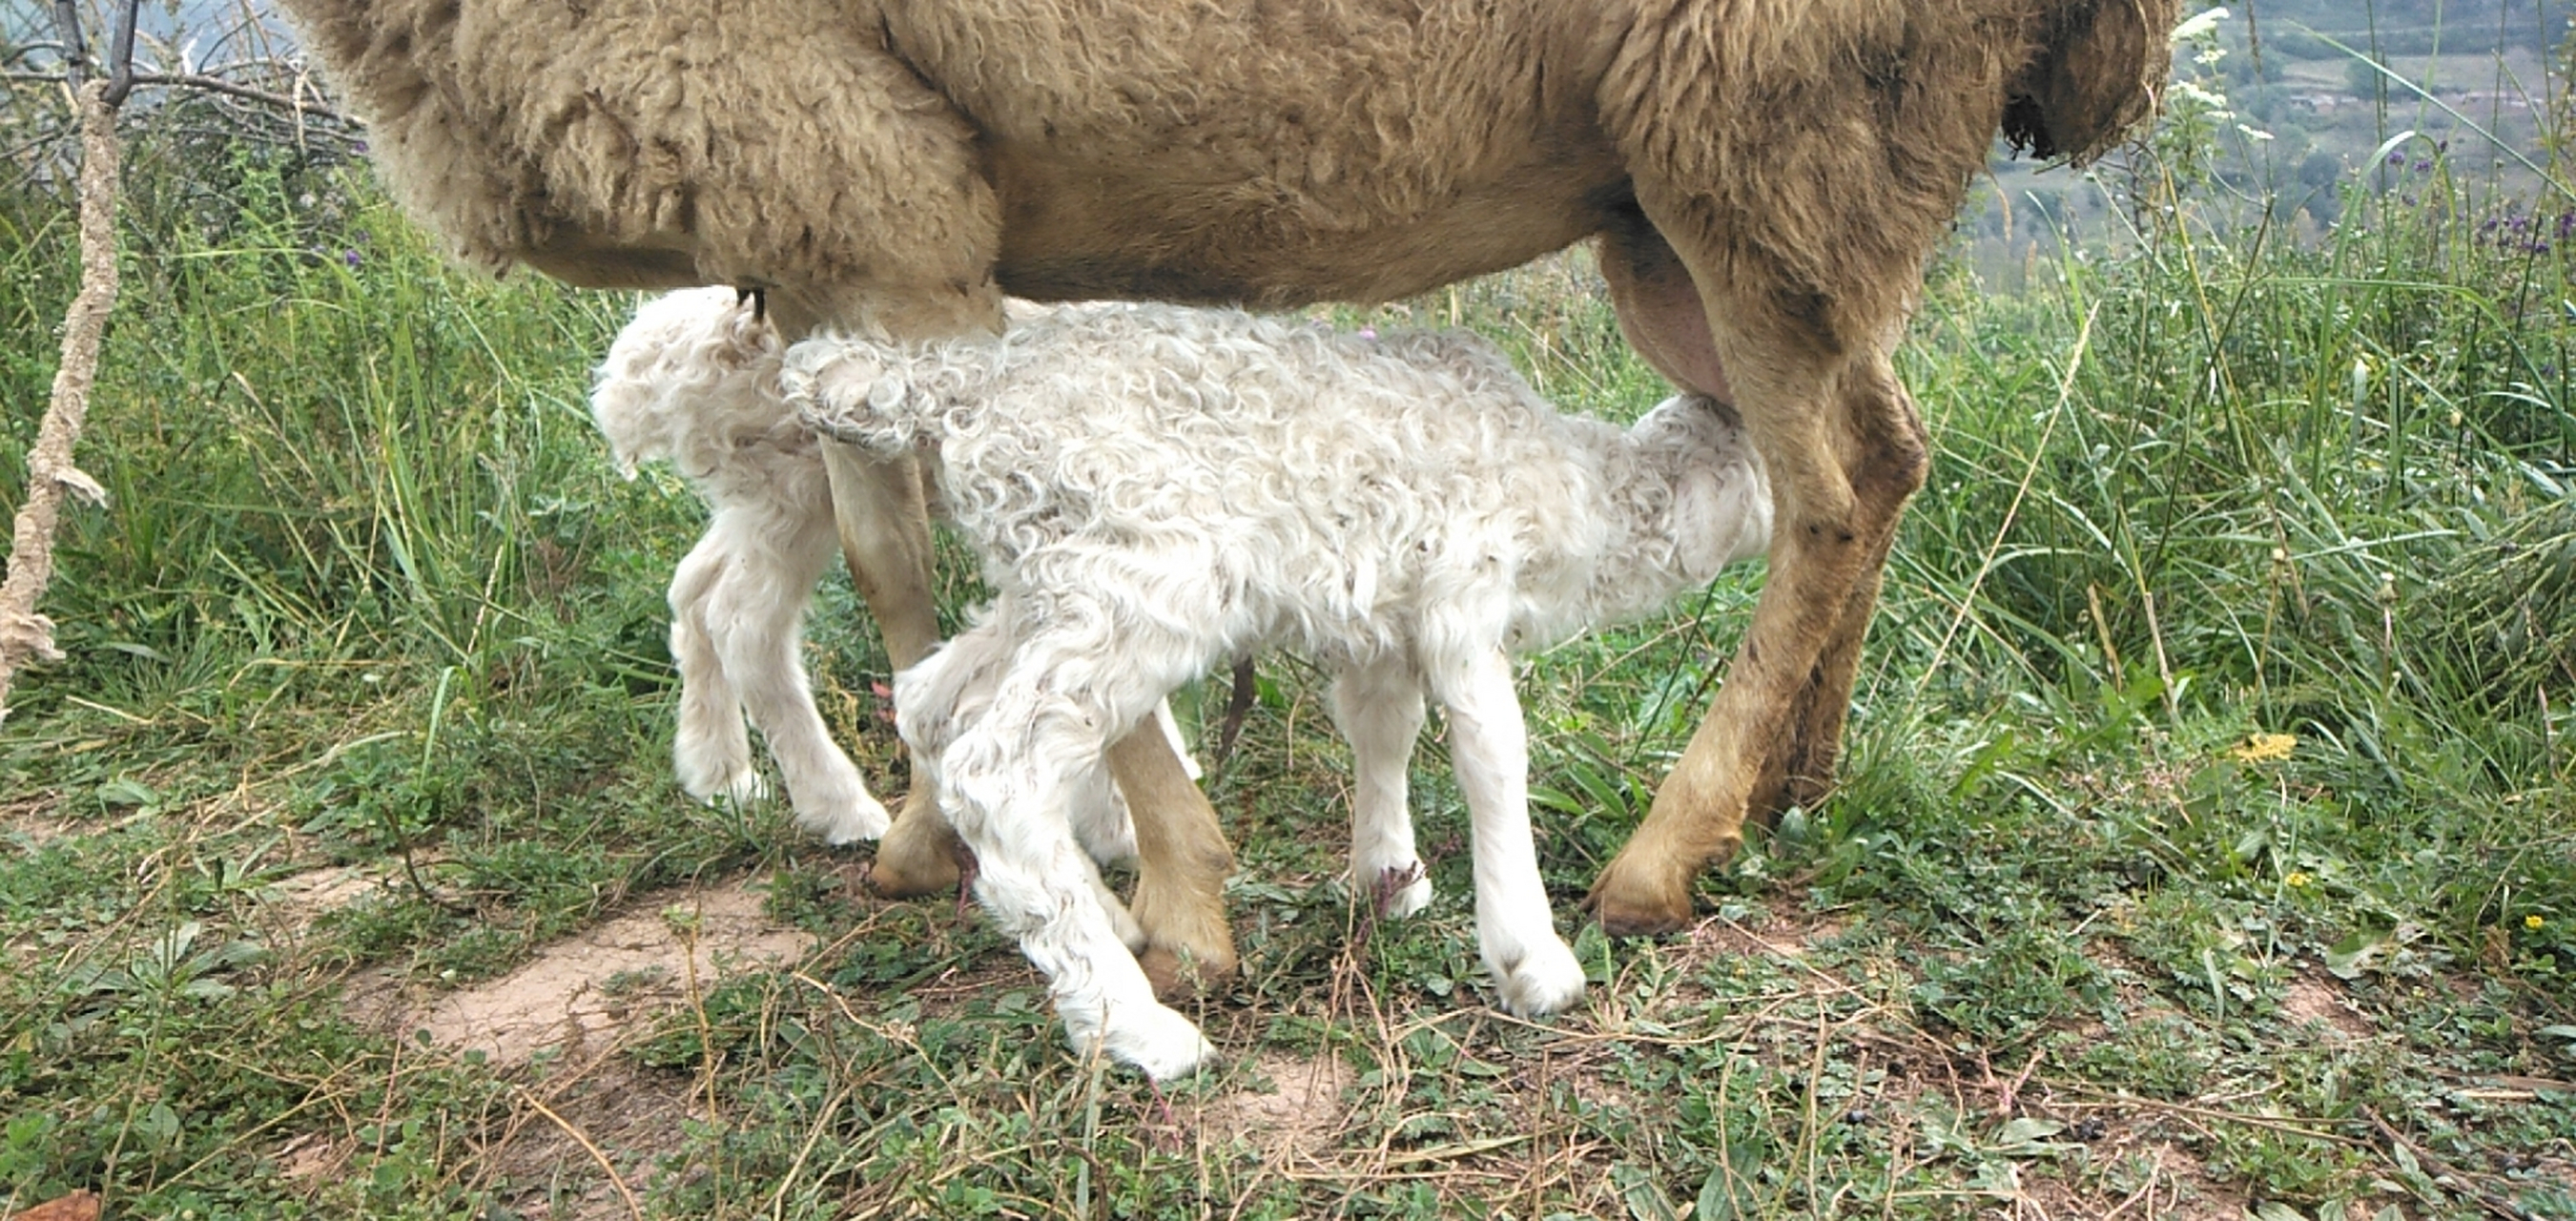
[
  {"x": 1720, "y": 510},
  {"x": 695, "y": 368}
]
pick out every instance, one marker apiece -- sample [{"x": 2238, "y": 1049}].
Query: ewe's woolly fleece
[{"x": 1245, "y": 481}]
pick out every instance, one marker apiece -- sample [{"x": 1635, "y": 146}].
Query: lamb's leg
[
  {"x": 1844, "y": 450},
  {"x": 755, "y": 616},
  {"x": 710, "y": 751},
  {"x": 1535, "y": 972},
  {"x": 1006, "y": 778},
  {"x": 1378, "y": 706},
  {"x": 951, "y": 688},
  {"x": 884, "y": 522}
]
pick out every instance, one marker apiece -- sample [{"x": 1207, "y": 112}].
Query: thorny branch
[{"x": 24, "y": 633}]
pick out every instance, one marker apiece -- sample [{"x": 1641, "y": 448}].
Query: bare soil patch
[
  {"x": 2316, "y": 1002},
  {"x": 30, "y": 822},
  {"x": 586, "y": 991},
  {"x": 1301, "y": 1115},
  {"x": 579, "y": 1003}
]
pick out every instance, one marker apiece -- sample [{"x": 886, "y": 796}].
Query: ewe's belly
[{"x": 1075, "y": 231}]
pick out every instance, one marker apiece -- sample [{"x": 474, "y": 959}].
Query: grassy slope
[{"x": 367, "y": 587}]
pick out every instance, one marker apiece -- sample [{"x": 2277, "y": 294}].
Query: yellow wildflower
[
  {"x": 2533, "y": 922},
  {"x": 2298, "y": 881},
  {"x": 2262, "y": 747}
]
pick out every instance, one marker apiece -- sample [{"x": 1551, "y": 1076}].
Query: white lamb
[
  {"x": 694, "y": 379},
  {"x": 1156, "y": 489}
]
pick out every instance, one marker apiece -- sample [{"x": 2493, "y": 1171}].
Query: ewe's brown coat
[{"x": 1767, "y": 177}]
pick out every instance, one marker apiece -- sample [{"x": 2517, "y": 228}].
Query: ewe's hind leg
[
  {"x": 710, "y": 751},
  {"x": 1801, "y": 771},
  {"x": 1378, "y": 706},
  {"x": 755, "y": 615},
  {"x": 1534, "y": 971}
]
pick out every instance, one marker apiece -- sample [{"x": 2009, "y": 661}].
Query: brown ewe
[{"x": 1766, "y": 178}]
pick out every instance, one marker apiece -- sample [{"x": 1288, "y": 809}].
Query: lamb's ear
[{"x": 1721, "y": 514}]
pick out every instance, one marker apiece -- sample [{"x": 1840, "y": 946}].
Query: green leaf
[
  {"x": 127, "y": 791},
  {"x": 1727, "y": 1193},
  {"x": 2355, "y": 954},
  {"x": 1645, "y": 1197}
]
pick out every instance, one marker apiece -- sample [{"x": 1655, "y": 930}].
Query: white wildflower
[{"x": 2200, "y": 24}]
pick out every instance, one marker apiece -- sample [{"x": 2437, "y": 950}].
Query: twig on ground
[{"x": 633, "y": 1208}]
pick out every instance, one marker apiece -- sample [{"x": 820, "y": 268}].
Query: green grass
[{"x": 368, "y": 597}]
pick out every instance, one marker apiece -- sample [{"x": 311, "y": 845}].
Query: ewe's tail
[
  {"x": 689, "y": 373},
  {"x": 2099, "y": 67}
]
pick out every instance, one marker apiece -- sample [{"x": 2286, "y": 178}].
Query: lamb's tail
[
  {"x": 675, "y": 369},
  {"x": 870, "y": 394},
  {"x": 2099, "y": 67}
]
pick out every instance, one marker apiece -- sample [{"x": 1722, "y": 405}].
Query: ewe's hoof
[
  {"x": 919, "y": 855},
  {"x": 911, "y": 879},
  {"x": 1180, "y": 974},
  {"x": 1546, "y": 980},
  {"x": 1628, "y": 908}
]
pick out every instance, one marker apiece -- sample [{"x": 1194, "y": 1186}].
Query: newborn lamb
[
  {"x": 694, "y": 380},
  {"x": 1156, "y": 489}
]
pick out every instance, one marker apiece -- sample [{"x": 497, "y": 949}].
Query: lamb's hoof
[
  {"x": 846, "y": 820},
  {"x": 1402, "y": 890},
  {"x": 1160, "y": 1042},
  {"x": 1181, "y": 974},
  {"x": 1630, "y": 905},
  {"x": 1548, "y": 979},
  {"x": 719, "y": 783}
]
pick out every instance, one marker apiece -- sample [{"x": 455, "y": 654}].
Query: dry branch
[{"x": 25, "y": 634}]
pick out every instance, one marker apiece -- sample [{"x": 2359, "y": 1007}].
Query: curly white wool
[
  {"x": 1155, "y": 489},
  {"x": 694, "y": 380}
]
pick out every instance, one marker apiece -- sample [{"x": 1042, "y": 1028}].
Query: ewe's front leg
[
  {"x": 1378, "y": 706},
  {"x": 1844, "y": 450},
  {"x": 884, "y": 519},
  {"x": 1534, "y": 971}
]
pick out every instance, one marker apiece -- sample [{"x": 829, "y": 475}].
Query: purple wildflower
[{"x": 350, "y": 257}]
